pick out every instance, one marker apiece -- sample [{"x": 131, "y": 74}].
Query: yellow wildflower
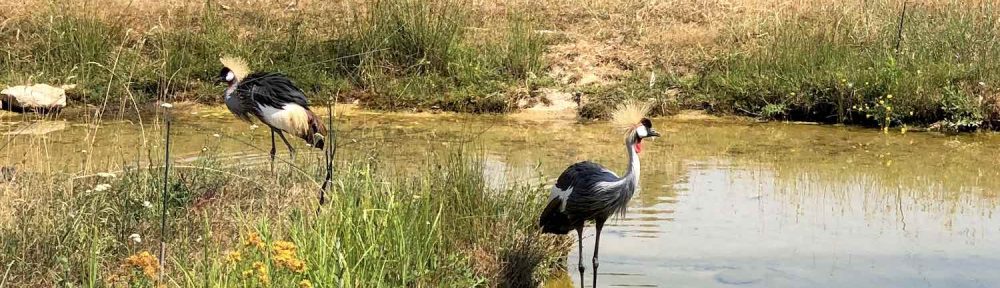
[
  {"x": 284, "y": 255},
  {"x": 264, "y": 279},
  {"x": 247, "y": 273},
  {"x": 296, "y": 265},
  {"x": 254, "y": 240},
  {"x": 233, "y": 256},
  {"x": 280, "y": 247},
  {"x": 305, "y": 284},
  {"x": 144, "y": 261},
  {"x": 262, "y": 275},
  {"x": 888, "y": 96}
]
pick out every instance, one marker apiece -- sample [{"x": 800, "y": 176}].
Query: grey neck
[
  {"x": 628, "y": 185},
  {"x": 632, "y": 174},
  {"x": 231, "y": 88}
]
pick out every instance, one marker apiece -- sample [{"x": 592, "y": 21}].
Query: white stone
[{"x": 36, "y": 96}]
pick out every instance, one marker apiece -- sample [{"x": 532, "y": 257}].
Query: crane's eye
[{"x": 641, "y": 131}]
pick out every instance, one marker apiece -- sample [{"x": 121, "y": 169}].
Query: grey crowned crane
[
  {"x": 588, "y": 191},
  {"x": 272, "y": 99}
]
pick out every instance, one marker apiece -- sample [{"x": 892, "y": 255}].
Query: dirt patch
[{"x": 555, "y": 104}]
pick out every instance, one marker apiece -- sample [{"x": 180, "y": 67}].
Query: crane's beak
[
  {"x": 653, "y": 133},
  {"x": 220, "y": 80}
]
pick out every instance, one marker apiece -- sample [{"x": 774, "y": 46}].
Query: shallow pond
[{"x": 723, "y": 203}]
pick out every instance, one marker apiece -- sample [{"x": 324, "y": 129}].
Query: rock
[{"x": 38, "y": 96}]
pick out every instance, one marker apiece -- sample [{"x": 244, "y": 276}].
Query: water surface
[{"x": 723, "y": 203}]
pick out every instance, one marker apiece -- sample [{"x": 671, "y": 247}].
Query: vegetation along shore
[
  {"x": 886, "y": 64},
  {"x": 92, "y": 204}
]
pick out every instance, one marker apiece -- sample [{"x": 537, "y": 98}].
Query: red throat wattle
[{"x": 638, "y": 147}]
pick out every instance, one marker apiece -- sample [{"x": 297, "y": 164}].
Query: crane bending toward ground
[
  {"x": 274, "y": 100},
  {"x": 588, "y": 191}
]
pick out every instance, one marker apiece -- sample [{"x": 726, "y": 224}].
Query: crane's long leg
[
  {"x": 291, "y": 151},
  {"x": 597, "y": 245},
  {"x": 273, "y": 151},
  {"x": 579, "y": 236}
]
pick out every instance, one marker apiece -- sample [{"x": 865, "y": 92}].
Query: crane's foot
[
  {"x": 272, "y": 164},
  {"x": 595, "y": 271}
]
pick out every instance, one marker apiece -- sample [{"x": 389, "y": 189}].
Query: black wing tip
[
  {"x": 319, "y": 144},
  {"x": 553, "y": 221}
]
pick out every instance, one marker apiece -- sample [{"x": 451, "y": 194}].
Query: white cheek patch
[
  {"x": 230, "y": 76},
  {"x": 641, "y": 131}
]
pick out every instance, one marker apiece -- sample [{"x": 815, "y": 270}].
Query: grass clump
[
  {"x": 842, "y": 65},
  {"x": 429, "y": 54},
  {"x": 233, "y": 226},
  {"x": 663, "y": 90}
]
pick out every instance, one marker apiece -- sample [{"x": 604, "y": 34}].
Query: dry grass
[{"x": 591, "y": 44}]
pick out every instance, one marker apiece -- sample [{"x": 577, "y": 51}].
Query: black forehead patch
[
  {"x": 647, "y": 123},
  {"x": 224, "y": 71}
]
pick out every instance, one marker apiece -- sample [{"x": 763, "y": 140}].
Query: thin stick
[
  {"x": 331, "y": 151},
  {"x": 4, "y": 280},
  {"x": 899, "y": 31},
  {"x": 166, "y": 186}
]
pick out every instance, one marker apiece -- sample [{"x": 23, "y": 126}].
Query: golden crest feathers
[
  {"x": 628, "y": 114},
  {"x": 237, "y": 65}
]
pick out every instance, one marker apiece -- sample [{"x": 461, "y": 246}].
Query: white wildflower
[
  {"x": 147, "y": 204},
  {"x": 253, "y": 126},
  {"x": 216, "y": 135},
  {"x": 102, "y": 187},
  {"x": 981, "y": 83},
  {"x": 106, "y": 175},
  {"x": 167, "y": 105},
  {"x": 135, "y": 238}
]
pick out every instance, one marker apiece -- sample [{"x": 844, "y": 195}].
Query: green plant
[
  {"x": 844, "y": 72},
  {"x": 961, "y": 112}
]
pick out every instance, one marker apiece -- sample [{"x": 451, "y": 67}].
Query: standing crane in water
[
  {"x": 588, "y": 191},
  {"x": 274, "y": 100}
]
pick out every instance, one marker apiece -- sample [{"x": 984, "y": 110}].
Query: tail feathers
[
  {"x": 316, "y": 134},
  {"x": 555, "y": 221}
]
